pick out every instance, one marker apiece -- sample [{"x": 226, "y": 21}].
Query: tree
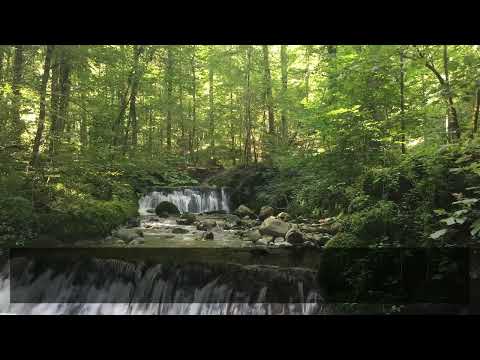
[
  {"x": 41, "y": 117},
  {"x": 284, "y": 65},
  {"x": 268, "y": 91},
  {"x": 18, "y": 125}
]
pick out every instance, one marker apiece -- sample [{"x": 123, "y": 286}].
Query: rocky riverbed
[{"x": 243, "y": 229}]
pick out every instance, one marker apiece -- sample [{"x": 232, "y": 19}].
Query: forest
[{"x": 380, "y": 138}]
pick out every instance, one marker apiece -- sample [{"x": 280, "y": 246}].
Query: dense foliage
[{"x": 382, "y": 137}]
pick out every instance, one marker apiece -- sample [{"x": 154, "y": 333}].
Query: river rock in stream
[{"x": 274, "y": 227}]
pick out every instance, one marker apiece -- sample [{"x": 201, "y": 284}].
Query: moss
[
  {"x": 343, "y": 240},
  {"x": 166, "y": 207}
]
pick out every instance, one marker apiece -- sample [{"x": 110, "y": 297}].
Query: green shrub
[
  {"x": 379, "y": 221},
  {"x": 343, "y": 240},
  {"x": 17, "y": 219}
]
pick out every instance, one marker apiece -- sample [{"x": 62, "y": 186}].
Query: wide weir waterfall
[
  {"x": 34, "y": 284},
  {"x": 192, "y": 199}
]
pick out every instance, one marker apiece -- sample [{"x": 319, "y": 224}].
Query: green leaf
[
  {"x": 449, "y": 221},
  {"x": 438, "y": 234},
  {"x": 466, "y": 201}
]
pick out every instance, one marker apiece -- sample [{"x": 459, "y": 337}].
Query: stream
[{"x": 172, "y": 269}]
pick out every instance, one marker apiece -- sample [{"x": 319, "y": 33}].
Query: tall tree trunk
[
  {"x": 232, "y": 130},
  {"x": 150, "y": 132},
  {"x": 284, "y": 68},
  {"x": 194, "y": 109},
  {"x": 476, "y": 110},
  {"x": 83, "y": 126},
  {"x": 18, "y": 125},
  {"x": 307, "y": 71},
  {"x": 54, "y": 100},
  {"x": 132, "y": 113},
  {"x": 169, "y": 85},
  {"x": 41, "y": 116},
  {"x": 402, "y": 100},
  {"x": 65, "y": 66},
  {"x": 268, "y": 91},
  {"x": 211, "y": 119},
  {"x": 453, "y": 126},
  {"x": 248, "y": 119}
]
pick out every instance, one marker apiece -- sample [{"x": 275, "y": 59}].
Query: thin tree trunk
[
  {"x": 268, "y": 91},
  {"x": 83, "y": 127},
  {"x": 169, "y": 85},
  {"x": 248, "y": 120},
  {"x": 453, "y": 126},
  {"x": 41, "y": 117},
  {"x": 54, "y": 101},
  {"x": 18, "y": 125},
  {"x": 402, "y": 101},
  {"x": 232, "y": 130},
  {"x": 307, "y": 71},
  {"x": 284, "y": 69},
  {"x": 476, "y": 110},
  {"x": 194, "y": 109},
  {"x": 211, "y": 119},
  {"x": 65, "y": 67}
]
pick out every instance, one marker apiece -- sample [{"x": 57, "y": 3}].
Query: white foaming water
[
  {"x": 193, "y": 200},
  {"x": 53, "y": 287}
]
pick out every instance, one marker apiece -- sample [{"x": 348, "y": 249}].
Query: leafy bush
[{"x": 17, "y": 220}]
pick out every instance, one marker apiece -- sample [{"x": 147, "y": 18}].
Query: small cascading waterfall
[
  {"x": 193, "y": 200},
  {"x": 180, "y": 292}
]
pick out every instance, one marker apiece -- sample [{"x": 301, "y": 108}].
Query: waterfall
[
  {"x": 193, "y": 200},
  {"x": 197, "y": 289}
]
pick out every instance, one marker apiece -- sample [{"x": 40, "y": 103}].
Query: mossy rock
[
  {"x": 166, "y": 207},
  {"x": 343, "y": 240}
]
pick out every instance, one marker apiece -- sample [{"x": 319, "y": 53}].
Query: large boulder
[
  {"x": 274, "y": 227},
  {"x": 187, "y": 219},
  {"x": 244, "y": 211},
  {"x": 133, "y": 222},
  {"x": 253, "y": 235},
  {"x": 266, "y": 212},
  {"x": 166, "y": 207},
  {"x": 127, "y": 235},
  {"x": 206, "y": 224},
  {"x": 179, "y": 231},
  {"x": 283, "y": 216},
  {"x": 208, "y": 235},
  {"x": 294, "y": 236}
]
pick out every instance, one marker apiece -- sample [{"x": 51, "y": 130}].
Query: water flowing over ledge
[{"x": 188, "y": 199}]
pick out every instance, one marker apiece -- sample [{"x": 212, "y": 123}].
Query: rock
[
  {"x": 283, "y": 244},
  {"x": 136, "y": 242},
  {"x": 244, "y": 211},
  {"x": 253, "y": 235},
  {"x": 119, "y": 242},
  {"x": 139, "y": 232},
  {"x": 166, "y": 207},
  {"x": 187, "y": 219},
  {"x": 266, "y": 212},
  {"x": 232, "y": 219},
  {"x": 126, "y": 234},
  {"x": 274, "y": 227},
  {"x": 318, "y": 239},
  {"x": 263, "y": 241},
  {"x": 179, "y": 231},
  {"x": 208, "y": 235},
  {"x": 163, "y": 214},
  {"x": 206, "y": 224},
  {"x": 308, "y": 244},
  {"x": 109, "y": 238},
  {"x": 294, "y": 236},
  {"x": 283, "y": 216},
  {"x": 133, "y": 222},
  {"x": 151, "y": 211}
]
